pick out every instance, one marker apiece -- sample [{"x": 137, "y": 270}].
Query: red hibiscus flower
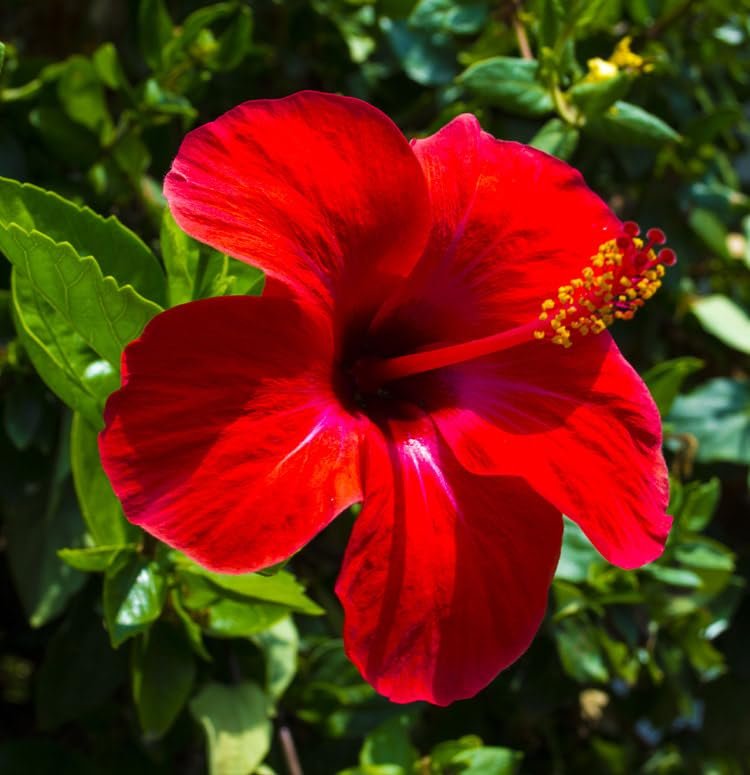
[{"x": 431, "y": 343}]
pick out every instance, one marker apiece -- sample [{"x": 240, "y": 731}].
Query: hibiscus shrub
[{"x": 121, "y": 652}]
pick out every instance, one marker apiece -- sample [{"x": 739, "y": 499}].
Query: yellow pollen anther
[{"x": 620, "y": 277}]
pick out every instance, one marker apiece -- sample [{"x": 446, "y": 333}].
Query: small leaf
[
  {"x": 627, "y": 123},
  {"x": 699, "y": 502},
  {"x": 163, "y": 672},
  {"x": 428, "y": 58},
  {"x": 389, "y": 743},
  {"x": 279, "y": 644},
  {"x": 488, "y": 761},
  {"x": 558, "y": 138},
  {"x": 665, "y": 380},
  {"x": 718, "y": 415},
  {"x": 725, "y": 319},
  {"x": 180, "y": 254},
  {"x": 706, "y": 554},
  {"x": 82, "y": 95},
  {"x": 509, "y": 83},
  {"x": 234, "y": 43},
  {"x": 101, "y": 509},
  {"x": 282, "y": 588},
  {"x": 154, "y": 30},
  {"x": 94, "y": 559},
  {"x": 594, "y": 97},
  {"x": 134, "y": 593},
  {"x": 235, "y": 721},
  {"x": 22, "y": 414}
]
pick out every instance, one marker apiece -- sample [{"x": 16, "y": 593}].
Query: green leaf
[
  {"x": 36, "y": 528},
  {"x": 725, "y": 319},
  {"x": 235, "y": 721},
  {"x": 105, "y": 315},
  {"x": 154, "y": 30},
  {"x": 79, "y": 670},
  {"x": 2, "y": 56},
  {"x": 428, "y": 58},
  {"x": 711, "y": 229},
  {"x": 224, "y": 614},
  {"x": 234, "y": 43},
  {"x": 577, "y": 555},
  {"x": 595, "y": 15},
  {"x": 22, "y": 414},
  {"x": 107, "y": 64},
  {"x": 705, "y": 554},
  {"x": 281, "y": 588},
  {"x": 557, "y": 138},
  {"x": 699, "y": 502},
  {"x": 94, "y": 559},
  {"x": 82, "y": 95},
  {"x": 68, "y": 366},
  {"x": 119, "y": 252},
  {"x": 191, "y": 627},
  {"x": 163, "y": 672},
  {"x": 665, "y": 380},
  {"x": 718, "y": 415},
  {"x": 279, "y": 644},
  {"x": 389, "y": 743},
  {"x": 449, "y": 16},
  {"x": 580, "y": 651},
  {"x": 489, "y": 761},
  {"x": 509, "y": 83},
  {"x": 594, "y": 97},
  {"x": 100, "y": 507},
  {"x": 186, "y": 41},
  {"x": 134, "y": 593},
  {"x": 180, "y": 254},
  {"x": 627, "y": 123}
]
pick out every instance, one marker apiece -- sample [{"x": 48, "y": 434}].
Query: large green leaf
[
  {"x": 119, "y": 252},
  {"x": 105, "y": 315},
  {"x": 235, "y": 720},
  {"x": 100, "y": 507},
  {"x": 509, "y": 83},
  {"x": 163, "y": 671},
  {"x": 69, "y": 367}
]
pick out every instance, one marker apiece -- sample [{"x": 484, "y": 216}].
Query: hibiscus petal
[
  {"x": 319, "y": 190},
  {"x": 445, "y": 578},
  {"x": 510, "y": 226},
  {"x": 226, "y": 439},
  {"x": 579, "y": 424}
]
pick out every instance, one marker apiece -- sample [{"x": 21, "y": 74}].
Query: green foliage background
[{"x": 115, "y": 652}]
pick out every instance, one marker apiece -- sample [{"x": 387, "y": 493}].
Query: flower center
[{"x": 620, "y": 278}]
